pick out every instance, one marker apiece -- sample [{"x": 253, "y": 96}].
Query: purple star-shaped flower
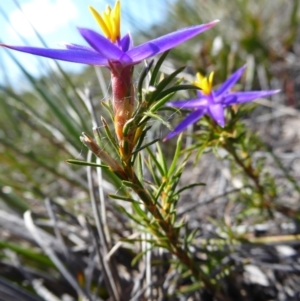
[
  {"x": 213, "y": 102},
  {"x": 103, "y": 52}
]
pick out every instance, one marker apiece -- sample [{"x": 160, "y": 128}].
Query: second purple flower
[{"x": 213, "y": 102}]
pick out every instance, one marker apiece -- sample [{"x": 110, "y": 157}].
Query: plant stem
[{"x": 174, "y": 244}]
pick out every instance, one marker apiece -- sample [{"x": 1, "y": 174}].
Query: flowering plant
[{"x": 148, "y": 180}]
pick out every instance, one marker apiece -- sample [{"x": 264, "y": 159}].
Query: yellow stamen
[
  {"x": 204, "y": 83},
  {"x": 109, "y": 22}
]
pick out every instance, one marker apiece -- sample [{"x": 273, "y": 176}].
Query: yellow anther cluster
[
  {"x": 204, "y": 83},
  {"x": 109, "y": 22}
]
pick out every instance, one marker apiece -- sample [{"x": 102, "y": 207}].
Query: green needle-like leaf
[
  {"x": 161, "y": 159},
  {"x": 173, "y": 89},
  {"x": 154, "y": 116},
  {"x": 176, "y": 156},
  {"x": 157, "y": 67},
  {"x": 188, "y": 187},
  {"x": 85, "y": 163},
  {"x": 156, "y": 163},
  {"x": 163, "y": 84},
  {"x": 27, "y": 252},
  {"x": 123, "y": 198},
  {"x": 142, "y": 78}
]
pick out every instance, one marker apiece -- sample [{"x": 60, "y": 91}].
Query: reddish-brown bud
[{"x": 123, "y": 98}]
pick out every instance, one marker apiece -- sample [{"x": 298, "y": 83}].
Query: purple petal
[
  {"x": 69, "y": 55},
  {"x": 216, "y": 112},
  {"x": 167, "y": 42},
  {"x": 104, "y": 46},
  {"x": 188, "y": 104},
  {"x": 230, "y": 81},
  {"x": 228, "y": 99},
  {"x": 77, "y": 47},
  {"x": 240, "y": 97},
  {"x": 190, "y": 119},
  {"x": 126, "y": 43}
]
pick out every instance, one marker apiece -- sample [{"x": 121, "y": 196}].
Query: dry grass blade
[
  {"x": 11, "y": 292},
  {"x": 47, "y": 248},
  {"x": 109, "y": 269}
]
